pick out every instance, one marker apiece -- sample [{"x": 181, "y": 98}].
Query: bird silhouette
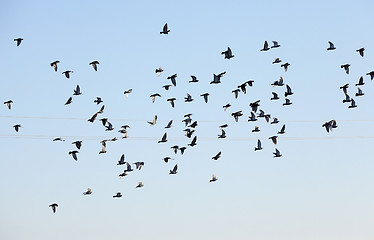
[
  {"x": 103, "y": 147},
  {"x": 266, "y": 46},
  {"x": 255, "y": 105},
  {"x": 331, "y": 46},
  {"x": 88, "y": 192},
  {"x": 258, "y": 145},
  {"x": 121, "y": 160},
  {"x": 54, "y": 207},
  {"x": 361, "y": 51},
  {"x": 153, "y": 122},
  {"x": 17, "y": 127},
  {"x": 94, "y": 64},
  {"x": 346, "y": 67},
  {"x": 58, "y": 139},
  {"x": 283, "y": 129},
  {"x": 153, "y": 97},
  {"x": 205, "y": 96},
  {"x": 98, "y": 100},
  {"x": 74, "y": 154},
  {"x": 226, "y": 107},
  {"x": 77, "y": 91},
  {"x": 173, "y": 79},
  {"x": 236, "y": 115},
  {"x": 93, "y": 118},
  {"x": 353, "y": 104},
  {"x": 288, "y": 91},
  {"x": 252, "y": 118},
  {"x": 140, "y": 184},
  {"x": 171, "y": 101},
  {"x": 277, "y": 153},
  {"x": 18, "y": 40},
  {"x": 194, "y": 79},
  {"x": 275, "y": 44},
  {"x": 285, "y": 66},
  {"x": 227, "y": 53},
  {"x": 274, "y": 139},
  {"x": 70, "y": 100},
  {"x": 218, "y": 155},
  {"x": 175, "y": 148},
  {"x": 236, "y": 91},
  {"x": 275, "y": 96},
  {"x": 67, "y": 73},
  {"x": 217, "y": 78},
  {"x": 193, "y": 142},
  {"x": 127, "y": 92},
  {"x": 359, "y": 92},
  {"x": 167, "y": 87},
  {"x": 371, "y": 74},
  {"x": 256, "y": 129},
  {"x": 288, "y": 102},
  {"x": 169, "y": 124},
  {"x": 158, "y": 71},
  {"x": 188, "y": 98},
  {"x": 163, "y": 140},
  {"x": 8, "y": 104},
  {"x": 223, "y": 134},
  {"x": 118, "y": 195},
  {"x": 165, "y": 29},
  {"x": 277, "y": 60},
  {"x": 174, "y": 171},
  {"x": 139, "y": 165},
  {"x": 54, "y": 65},
  {"x": 214, "y": 178},
  {"x": 360, "y": 81}
]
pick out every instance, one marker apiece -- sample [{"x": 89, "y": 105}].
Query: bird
[
  {"x": 88, "y": 192},
  {"x": 140, "y": 184},
  {"x": 8, "y": 104},
  {"x": 223, "y": 134},
  {"x": 173, "y": 79},
  {"x": 169, "y": 124},
  {"x": 58, "y": 139},
  {"x": 274, "y": 139},
  {"x": 17, "y": 127},
  {"x": 154, "y": 121},
  {"x": 261, "y": 114},
  {"x": 118, "y": 195},
  {"x": 285, "y": 66},
  {"x": 121, "y": 160},
  {"x": 98, "y": 100},
  {"x": 346, "y": 67},
  {"x": 344, "y": 88},
  {"x": 329, "y": 125},
  {"x": 277, "y": 153},
  {"x": 266, "y": 46},
  {"x": 258, "y": 145},
  {"x": 227, "y": 53},
  {"x": 174, "y": 171},
  {"x": 278, "y": 83},
  {"x": 139, "y": 165},
  {"x": 236, "y": 115},
  {"x": 252, "y": 118},
  {"x": 288, "y": 102},
  {"x": 188, "y": 98},
  {"x": 360, "y": 81},
  {"x": 194, "y": 79},
  {"x": 353, "y": 104},
  {"x": 121, "y": 175},
  {"x": 236, "y": 91},
  {"x": 78, "y": 144},
  {"x": 288, "y": 91},
  {"x": 153, "y": 96},
  {"x": 193, "y": 125},
  {"x": 167, "y": 87},
  {"x": 226, "y": 107},
  {"x": 54, "y": 207},
  {"x": 282, "y": 131},
  {"x": 243, "y": 87},
  {"x": 277, "y": 60},
  {"x": 171, "y": 100},
  {"x": 18, "y": 40},
  {"x": 275, "y": 44},
  {"x": 189, "y": 132},
  {"x": 92, "y": 119},
  {"x": 187, "y": 121},
  {"x": 218, "y": 155},
  {"x": 74, "y": 154},
  {"x": 103, "y": 147},
  {"x": 331, "y": 46},
  {"x": 182, "y": 149},
  {"x": 128, "y": 168},
  {"x": 255, "y": 105},
  {"x": 103, "y": 121},
  {"x": 175, "y": 148},
  {"x": 371, "y": 75},
  {"x": 109, "y": 127},
  {"x": 54, "y": 65},
  {"x": 223, "y": 126},
  {"x": 77, "y": 91},
  {"x": 127, "y": 92},
  {"x": 214, "y": 178},
  {"x": 163, "y": 140},
  {"x": 165, "y": 29},
  {"x": 166, "y": 159},
  {"x": 275, "y": 120},
  {"x": 70, "y": 100},
  {"x": 217, "y": 78},
  {"x": 158, "y": 71},
  {"x": 94, "y": 64},
  {"x": 256, "y": 129},
  {"x": 205, "y": 96},
  {"x": 267, "y": 117},
  {"x": 347, "y": 99},
  {"x": 359, "y": 92},
  {"x": 67, "y": 73},
  {"x": 275, "y": 96},
  {"x": 361, "y": 51},
  {"x": 193, "y": 142}
]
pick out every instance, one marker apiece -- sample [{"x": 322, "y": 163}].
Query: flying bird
[
  {"x": 103, "y": 147},
  {"x": 255, "y": 105},
  {"x": 288, "y": 91},
  {"x": 371, "y": 75},
  {"x": 182, "y": 149},
  {"x": 8, "y": 104},
  {"x": 154, "y": 121},
  {"x": 163, "y": 140},
  {"x": 165, "y": 29},
  {"x": 275, "y": 120},
  {"x": 227, "y": 53},
  {"x": 121, "y": 160},
  {"x": 153, "y": 96},
  {"x": 275, "y": 44},
  {"x": 256, "y": 129},
  {"x": 331, "y": 46},
  {"x": 217, "y": 78},
  {"x": 346, "y": 68},
  {"x": 77, "y": 91},
  {"x": 94, "y": 64},
  {"x": 54, "y": 65},
  {"x": 127, "y": 92},
  {"x": 171, "y": 100},
  {"x": 226, "y": 107},
  {"x": 175, "y": 148},
  {"x": 285, "y": 66},
  {"x": 361, "y": 51},
  {"x": 88, "y": 192},
  {"x": 17, "y": 126},
  {"x": 118, "y": 195},
  {"x": 140, "y": 184},
  {"x": 173, "y": 79},
  {"x": 222, "y": 135},
  {"x": 166, "y": 159},
  {"x": 67, "y": 73},
  {"x": 205, "y": 95},
  {"x": 283, "y": 129},
  {"x": 92, "y": 119},
  {"x": 174, "y": 171},
  {"x": 275, "y": 96},
  {"x": 278, "y": 83},
  {"x": 236, "y": 115},
  {"x": 128, "y": 168},
  {"x": 74, "y": 154},
  {"x": 139, "y": 165},
  {"x": 194, "y": 79},
  {"x": 359, "y": 92},
  {"x": 258, "y": 145},
  {"x": 193, "y": 142},
  {"x": 70, "y": 100},
  {"x": 353, "y": 104},
  {"x": 236, "y": 91},
  {"x": 274, "y": 139},
  {"x": 277, "y": 60},
  {"x": 167, "y": 87},
  {"x": 169, "y": 124},
  {"x": 252, "y": 118},
  {"x": 214, "y": 178},
  {"x": 78, "y": 144},
  {"x": 158, "y": 71},
  {"x": 266, "y": 46},
  {"x": 277, "y": 153},
  {"x": 18, "y": 40},
  {"x": 54, "y": 207},
  {"x": 360, "y": 81},
  {"x": 188, "y": 98},
  {"x": 218, "y": 155},
  {"x": 344, "y": 88},
  {"x": 98, "y": 100},
  {"x": 288, "y": 102}
]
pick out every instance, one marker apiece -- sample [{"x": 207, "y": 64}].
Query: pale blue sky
[{"x": 321, "y": 188}]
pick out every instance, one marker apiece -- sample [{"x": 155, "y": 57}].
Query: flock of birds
[{"x": 190, "y": 124}]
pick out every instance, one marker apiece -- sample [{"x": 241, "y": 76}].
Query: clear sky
[{"x": 321, "y": 187}]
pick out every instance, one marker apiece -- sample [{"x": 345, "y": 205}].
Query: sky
[{"x": 321, "y": 187}]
